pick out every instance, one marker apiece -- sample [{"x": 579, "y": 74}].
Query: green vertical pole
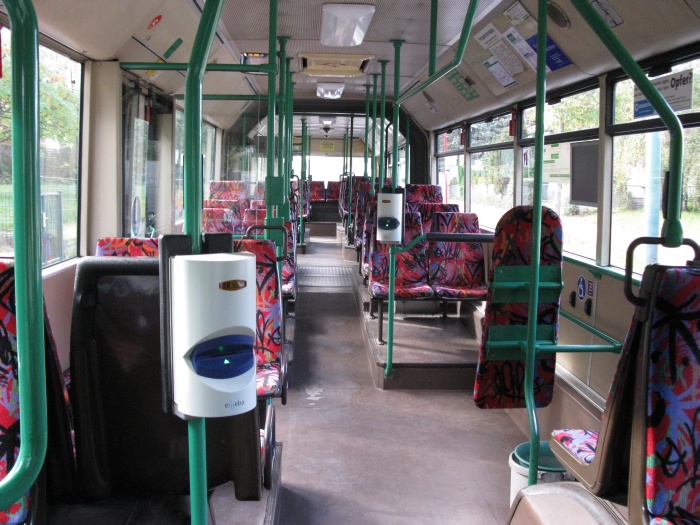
[
  {"x": 408, "y": 151},
  {"x": 281, "y": 102},
  {"x": 394, "y": 182},
  {"x": 382, "y": 174},
  {"x": 271, "y": 100},
  {"x": 193, "y": 212},
  {"x": 374, "y": 130},
  {"x": 27, "y": 232},
  {"x": 535, "y": 247},
  {"x": 304, "y": 138},
  {"x": 367, "y": 86},
  {"x": 432, "y": 58}
]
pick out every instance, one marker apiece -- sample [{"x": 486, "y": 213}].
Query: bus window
[
  {"x": 61, "y": 84},
  {"x": 450, "y": 165}
]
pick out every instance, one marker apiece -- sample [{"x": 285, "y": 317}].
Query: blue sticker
[
  {"x": 556, "y": 59},
  {"x": 581, "y": 288}
]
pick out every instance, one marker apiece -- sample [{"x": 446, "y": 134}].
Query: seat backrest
[
  {"x": 257, "y": 204},
  {"x": 317, "y": 191},
  {"x": 368, "y": 227},
  {"x": 253, "y": 217},
  {"x": 228, "y": 190},
  {"x": 127, "y": 246},
  {"x": 217, "y": 220},
  {"x": 305, "y": 198},
  {"x": 237, "y": 207},
  {"x": 290, "y": 261},
  {"x": 428, "y": 210},
  {"x": 412, "y": 265},
  {"x": 665, "y": 456},
  {"x": 455, "y": 263},
  {"x": 419, "y": 193},
  {"x": 499, "y": 383},
  {"x": 363, "y": 197},
  {"x": 268, "y": 318},
  {"x": 259, "y": 193},
  {"x": 333, "y": 191}
]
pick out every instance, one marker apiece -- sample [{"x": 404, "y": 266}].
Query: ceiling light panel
[{"x": 345, "y": 24}]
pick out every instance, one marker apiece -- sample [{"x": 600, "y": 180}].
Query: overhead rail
[
  {"x": 27, "y": 232},
  {"x": 179, "y": 66},
  {"x": 456, "y": 61},
  {"x": 226, "y": 97}
]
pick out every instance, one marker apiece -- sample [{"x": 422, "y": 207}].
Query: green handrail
[
  {"x": 193, "y": 215},
  {"x": 271, "y": 101},
  {"x": 535, "y": 246},
  {"x": 304, "y": 138},
  {"x": 177, "y": 66},
  {"x": 459, "y": 54},
  {"x": 672, "y": 230},
  {"x": 374, "y": 132},
  {"x": 382, "y": 122},
  {"x": 367, "y": 86},
  {"x": 225, "y": 97},
  {"x": 28, "y": 284}
]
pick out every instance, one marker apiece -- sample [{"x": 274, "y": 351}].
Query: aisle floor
[{"x": 354, "y": 454}]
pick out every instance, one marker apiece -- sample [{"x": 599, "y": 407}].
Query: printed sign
[
  {"x": 460, "y": 84},
  {"x": 488, "y": 36},
  {"x": 516, "y": 13},
  {"x": 581, "y": 288},
  {"x": 556, "y": 59},
  {"x": 606, "y": 10},
  {"x": 676, "y": 88},
  {"x": 498, "y": 71},
  {"x": 327, "y": 145}
]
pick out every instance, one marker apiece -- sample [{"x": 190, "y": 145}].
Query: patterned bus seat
[
  {"x": 127, "y": 246},
  {"x": 499, "y": 383},
  {"x": 428, "y": 210},
  {"x": 253, "y": 217},
  {"x": 217, "y": 220},
  {"x": 317, "y": 191},
  {"x": 457, "y": 268},
  {"x": 333, "y": 191},
  {"x": 368, "y": 228},
  {"x": 270, "y": 360},
  {"x": 363, "y": 197},
  {"x": 419, "y": 193},
  {"x": 259, "y": 193},
  {"x": 257, "y": 204}
]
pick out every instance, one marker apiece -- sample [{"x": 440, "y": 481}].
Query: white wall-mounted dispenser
[
  {"x": 390, "y": 216},
  {"x": 213, "y": 332}
]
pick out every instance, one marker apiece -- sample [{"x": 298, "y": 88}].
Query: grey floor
[{"x": 354, "y": 454}]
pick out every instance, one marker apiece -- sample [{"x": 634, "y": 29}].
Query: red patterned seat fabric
[
  {"x": 581, "y": 443},
  {"x": 499, "y": 384},
  {"x": 268, "y": 318},
  {"x": 228, "y": 189},
  {"x": 673, "y": 401},
  {"x": 257, "y": 204},
  {"x": 368, "y": 227},
  {"x": 217, "y": 220},
  {"x": 457, "y": 269},
  {"x": 253, "y": 217},
  {"x": 306, "y": 197},
  {"x": 127, "y": 246},
  {"x": 428, "y": 210},
  {"x": 411, "y": 266},
  {"x": 290, "y": 262},
  {"x": 317, "y": 191},
  {"x": 237, "y": 208},
  {"x": 9, "y": 400},
  {"x": 363, "y": 198},
  {"x": 420, "y": 193},
  {"x": 333, "y": 191}
]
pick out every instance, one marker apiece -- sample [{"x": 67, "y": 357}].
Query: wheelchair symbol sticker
[{"x": 581, "y": 288}]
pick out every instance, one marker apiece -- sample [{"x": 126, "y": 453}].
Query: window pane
[
  {"x": 451, "y": 178},
  {"x": 639, "y": 162},
  {"x": 573, "y": 113},
  {"x": 492, "y": 185},
  {"x": 450, "y": 141},
  {"x": 624, "y": 95},
  {"x": 59, "y": 130},
  {"x": 495, "y": 131},
  {"x": 579, "y": 223}
]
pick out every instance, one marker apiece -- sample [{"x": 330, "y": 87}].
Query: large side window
[
  {"x": 568, "y": 184},
  {"x": 640, "y": 160},
  {"x": 60, "y": 87},
  {"x": 449, "y": 152},
  {"x": 491, "y": 161}
]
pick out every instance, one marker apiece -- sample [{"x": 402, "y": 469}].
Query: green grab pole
[
  {"x": 29, "y": 313},
  {"x": 459, "y": 54},
  {"x": 282, "y": 102},
  {"x": 535, "y": 246},
  {"x": 672, "y": 230},
  {"x": 374, "y": 132},
  {"x": 178, "y": 66},
  {"x": 432, "y": 58},
  {"x": 193, "y": 216},
  {"x": 271, "y": 100},
  {"x": 394, "y": 180},
  {"x": 304, "y": 139},
  {"x": 396, "y": 110},
  {"x": 225, "y": 97},
  {"x": 367, "y": 86},
  {"x": 382, "y": 172},
  {"x": 408, "y": 151},
  {"x": 351, "y": 144}
]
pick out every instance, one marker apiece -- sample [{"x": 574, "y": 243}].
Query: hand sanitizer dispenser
[
  {"x": 390, "y": 216},
  {"x": 213, "y": 332}
]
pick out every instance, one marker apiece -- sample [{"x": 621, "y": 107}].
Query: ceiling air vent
[{"x": 329, "y": 65}]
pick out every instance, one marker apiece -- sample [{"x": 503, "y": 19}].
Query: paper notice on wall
[
  {"x": 516, "y": 13},
  {"x": 507, "y": 58},
  {"x": 498, "y": 71},
  {"x": 606, "y": 10},
  {"x": 488, "y": 36},
  {"x": 522, "y": 47},
  {"x": 555, "y": 57},
  {"x": 676, "y": 88}
]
